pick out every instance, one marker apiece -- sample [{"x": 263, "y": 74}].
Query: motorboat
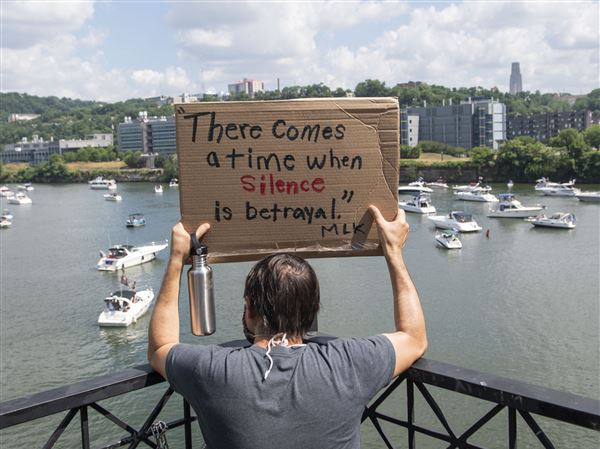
[
  {"x": 5, "y": 222},
  {"x": 448, "y": 239},
  {"x": 476, "y": 195},
  {"x": 135, "y": 221},
  {"x": 560, "y": 220},
  {"x": 20, "y": 198},
  {"x": 415, "y": 187},
  {"x": 458, "y": 220},
  {"x": 473, "y": 187},
  {"x": 510, "y": 184},
  {"x": 174, "y": 182},
  {"x": 123, "y": 256},
  {"x": 5, "y": 192},
  {"x": 589, "y": 196},
  {"x": 560, "y": 190},
  {"x": 7, "y": 214},
  {"x": 544, "y": 183},
  {"x": 123, "y": 307},
  {"x": 112, "y": 197},
  {"x": 420, "y": 204},
  {"x": 100, "y": 183},
  {"x": 158, "y": 188},
  {"x": 438, "y": 184},
  {"x": 510, "y": 207},
  {"x": 27, "y": 187}
]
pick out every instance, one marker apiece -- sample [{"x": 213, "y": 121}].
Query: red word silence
[{"x": 269, "y": 185}]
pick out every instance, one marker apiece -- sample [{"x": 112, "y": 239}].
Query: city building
[
  {"x": 149, "y": 135},
  {"x": 515, "y": 83},
  {"x": 91, "y": 141},
  {"x": 39, "y": 150},
  {"x": 543, "y": 126},
  {"x": 472, "y": 123},
  {"x": 32, "y": 151},
  {"x": 409, "y": 129},
  {"x": 246, "y": 86},
  {"x": 19, "y": 117}
]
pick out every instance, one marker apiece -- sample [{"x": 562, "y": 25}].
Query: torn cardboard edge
[{"x": 380, "y": 113}]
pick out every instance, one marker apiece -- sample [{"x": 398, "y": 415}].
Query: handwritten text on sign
[{"x": 278, "y": 175}]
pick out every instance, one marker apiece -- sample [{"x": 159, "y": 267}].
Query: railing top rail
[
  {"x": 559, "y": 405},
  {"x": 88, "y": 391},
  {"x": 568, "y": 407}
]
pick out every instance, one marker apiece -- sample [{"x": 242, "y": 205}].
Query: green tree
[
  {"x": 592, "y": 136},
  {"x": 54, "y": 169},
  {"x": 588, "y": 166},
  {"x": 372, "y": 88},
  {"x": 482, "y": 157},
  {"x": 134, "y": 159},
  {"x": 408, "y": 152},
  {"x": 571, "y": 140}
]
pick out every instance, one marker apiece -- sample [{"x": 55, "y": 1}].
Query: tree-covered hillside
[{"x": 64, "y": 118}]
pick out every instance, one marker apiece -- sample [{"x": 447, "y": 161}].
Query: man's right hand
[{"x": 392, "y": 234}]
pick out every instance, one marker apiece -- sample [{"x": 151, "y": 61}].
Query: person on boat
[{"x": 285, "y": 391}]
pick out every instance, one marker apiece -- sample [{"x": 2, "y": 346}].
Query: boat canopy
[
  {"x": 136, "y": 216},
  {"x": 506, "y": 196}
]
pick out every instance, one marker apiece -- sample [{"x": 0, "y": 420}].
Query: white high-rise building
[{"x": 246, "y": 86}]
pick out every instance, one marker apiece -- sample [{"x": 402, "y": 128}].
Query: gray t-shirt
[{"x": 313, "y": 397}]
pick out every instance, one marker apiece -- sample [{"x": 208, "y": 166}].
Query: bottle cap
[{"x": 197, "y": 249}]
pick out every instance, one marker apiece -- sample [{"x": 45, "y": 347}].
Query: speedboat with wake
[
  {"x": 559, "y": 220},
  {"x": 112, "y": 197},
  {"x": 420, "y": 204},
  {"x": 123, "y": 307},
  {"x": 448, "y": 239},
  {"x": 510, "y": 207},
  {"x": 124, "y": 256},
  {"x": 458, "y": 220}
]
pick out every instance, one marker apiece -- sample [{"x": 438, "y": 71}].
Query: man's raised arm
[
  {"x": 163, "y": 332},
  {"x": 410, "y": 338}
]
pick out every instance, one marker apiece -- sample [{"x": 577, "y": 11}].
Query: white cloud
[{"x": 29, "y": 23}]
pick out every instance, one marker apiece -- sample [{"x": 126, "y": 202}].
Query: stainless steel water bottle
[{"x": 200, "y": 287}]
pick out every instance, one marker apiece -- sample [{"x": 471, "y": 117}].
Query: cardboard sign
[{"x": 295, "y": 176}]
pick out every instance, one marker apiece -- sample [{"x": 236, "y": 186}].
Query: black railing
[{"x": 519, "y": 398}]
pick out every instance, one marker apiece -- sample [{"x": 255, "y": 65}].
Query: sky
[{"x": 114, "y": 50}]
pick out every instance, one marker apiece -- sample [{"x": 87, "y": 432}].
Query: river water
[{"x": 523, "y": 303}]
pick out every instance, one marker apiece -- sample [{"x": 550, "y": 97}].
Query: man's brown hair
[{"x": 283, "y": 291}]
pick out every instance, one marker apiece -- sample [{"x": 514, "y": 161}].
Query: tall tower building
[{"x": 516, "y": 84}]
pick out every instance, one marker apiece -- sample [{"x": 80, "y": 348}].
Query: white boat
[
  {"x": 476, "y": 195},
  {"x": 100, "y": 183},
  {"x": 448, "y": 240},
  {"x": 510, "y": 207},
  {"x": 557, "y": 220},
  {"x": 7, "y": 214},
  {"x": 20, "y": 198},
  {"x": 174, "y": 182},
  {"x": 474, "y": 187},
  {"x": 123, "y": 256},
  {"x": 28, "y": 186},
  {"x": 510, "y": 184},
  {"x": 112, "y": 196},
  {"x": 420, "y": 204},
  {"x": 415, "y": 187},
  {"x": 5, "y": 192},
  {"x": 158, "y": 188},
  {"x": 5, "y": 222},
  {"x": 124, "y": 307},
  {"x": 589, "y": 196},
  {"x": 135, "y": 221},
  {"x": 458, "y": 220},
  {"x": 560, "y": 190},
  {"x": 439, "y": 184},
  {"x": 544, "y": 183}
]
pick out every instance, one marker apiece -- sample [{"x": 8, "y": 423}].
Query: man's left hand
[{"x": 181, "y": 243}]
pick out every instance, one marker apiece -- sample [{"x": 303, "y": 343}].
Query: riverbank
[{"x": 80, "y": 172}]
